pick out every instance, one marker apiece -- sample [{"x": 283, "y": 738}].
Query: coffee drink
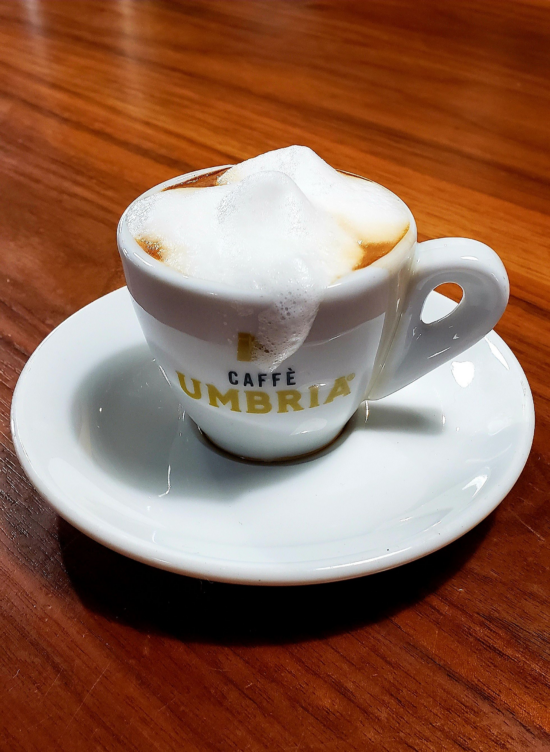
[
  {"x": 261, "y": 263},
  {"x": 285, "y": 224}
]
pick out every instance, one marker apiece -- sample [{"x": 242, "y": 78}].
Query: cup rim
[{"x": 349, "y": 284}]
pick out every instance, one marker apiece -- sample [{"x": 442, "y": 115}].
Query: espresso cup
[{"x": 367, "y": 341}]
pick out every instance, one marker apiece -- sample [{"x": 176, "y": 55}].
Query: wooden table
[{"x": 445, "y": 103}]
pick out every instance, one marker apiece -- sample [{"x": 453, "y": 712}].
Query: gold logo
[
  {"x": 259, "y": 402},
  {"x": 245, "y": 347}
]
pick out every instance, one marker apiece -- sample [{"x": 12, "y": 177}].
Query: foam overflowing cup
[
  {"x": 285, "y": 224},
  {"x": 278, "y": 294}
]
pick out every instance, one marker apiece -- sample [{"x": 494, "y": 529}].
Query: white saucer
[{"x": 99, "y": 433}]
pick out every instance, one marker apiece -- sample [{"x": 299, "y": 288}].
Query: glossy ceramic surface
[
  {"x": 102, "y": 437},
  {"x": 367, "y": 341}
]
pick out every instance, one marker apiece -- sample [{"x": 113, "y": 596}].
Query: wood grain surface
[{"x": 446, "y": 103}]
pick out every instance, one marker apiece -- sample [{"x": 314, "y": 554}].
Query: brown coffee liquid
[
  {"x": 153, "y": 249},
  {"x": 371, "y": 251},
  {"x": 209, "y": 180},
  {"x": 374, "y": 251}
]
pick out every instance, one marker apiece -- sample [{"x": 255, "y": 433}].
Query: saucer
[{"x": 101, "y": 436}]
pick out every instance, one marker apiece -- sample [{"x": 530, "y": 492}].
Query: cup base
[{"x": 277, "y": 460}]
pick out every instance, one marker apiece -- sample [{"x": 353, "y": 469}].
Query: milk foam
[{"x": 285, "y": 224}]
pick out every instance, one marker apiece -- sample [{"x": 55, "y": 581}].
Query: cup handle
[{"x": 416, "y": 347}]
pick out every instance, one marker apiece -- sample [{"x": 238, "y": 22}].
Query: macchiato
[
  {"x": 285, "y": 224},
  {"x": 256, "y": 264}
]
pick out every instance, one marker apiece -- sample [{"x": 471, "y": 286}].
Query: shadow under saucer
[
  {"x": 154, "y": 601},
  {"x": 127, "y": 416}
]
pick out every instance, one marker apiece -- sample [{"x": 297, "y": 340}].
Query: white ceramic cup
[{"x": 368, "y": 340}]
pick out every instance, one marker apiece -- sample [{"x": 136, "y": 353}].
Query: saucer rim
[{"x": 275, "y": 573}]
